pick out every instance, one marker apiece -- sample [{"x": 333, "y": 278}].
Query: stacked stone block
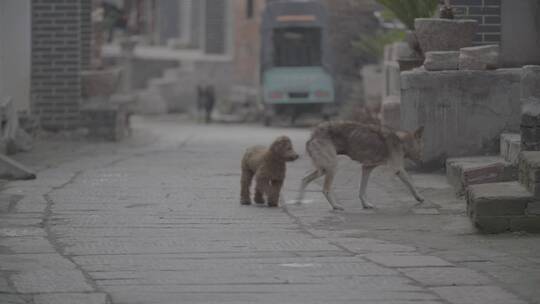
[
  {"x": 530, "y": 98},
  {"x": 515, "y": 206},
  {"x": 109, "y": 119},
  {"x": 502, "y": 207},
  {"x": 488, "y": 15}
]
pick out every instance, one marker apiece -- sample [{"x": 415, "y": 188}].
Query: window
[{"x": 249, "y": 9}]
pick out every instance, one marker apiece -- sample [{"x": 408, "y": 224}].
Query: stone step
[
  {"x": 465, "y": 171},
  {"x": 510, "y": 147},
  {"x": 502, "y": 207}
]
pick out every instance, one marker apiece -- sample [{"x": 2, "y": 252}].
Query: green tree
[{"x": 408, "y": 10}]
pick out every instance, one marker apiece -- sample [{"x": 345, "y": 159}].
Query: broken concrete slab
[
  {"x": 441, "y": 61},
  {"x": 464, "y": 171},
  {"x": 485, "y": 57}
]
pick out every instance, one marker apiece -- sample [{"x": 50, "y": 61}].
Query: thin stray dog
[
  {"x": 371, "y": 145},
  {"x": 268, "y": 166}
]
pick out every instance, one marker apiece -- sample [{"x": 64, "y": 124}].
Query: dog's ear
[{"x": 419, "y": 133}]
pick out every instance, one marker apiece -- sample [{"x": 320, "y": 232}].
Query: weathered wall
[
  {"x": 15, "y": 52},
  {"x": 488, "y": 15},
  {"x": 60, "y": 49},
  {"x": 520, "y": 32},
  {"x": 247, "y": 43},
  {"x": 464, "y": 112}
]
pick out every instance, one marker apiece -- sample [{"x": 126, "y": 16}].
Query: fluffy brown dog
[{"x": 268, "y": 167}]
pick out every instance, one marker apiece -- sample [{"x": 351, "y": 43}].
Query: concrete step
[
  {"x": 502, "y": 207},
  {"x": 510, "y": 147},
  {"x": 465, "y": 171}
]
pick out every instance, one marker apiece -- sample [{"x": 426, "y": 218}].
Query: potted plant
[
  {"x": 444, "y": 33},
  {"x": 406, "y": 12}
]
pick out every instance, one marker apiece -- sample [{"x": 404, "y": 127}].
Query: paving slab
[
  {"x": 446, "y": 276},
  {"x": 49, "y": 280},
  {"x": 396, "y": 260},
  {"x": 477, "y": 295},
  {"x": 71, "y": 298}
]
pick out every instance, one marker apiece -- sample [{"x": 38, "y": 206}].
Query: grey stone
[
  {"x": 436, "y": 34},
  {"x": 477, "y": 295},
  {"x": 449, "y": 104},
  {"x": 391, "y": 106},
  {"x": 510, "y": 147},
  {"x": 442, "y": 60},
  {"x": 71, "y": 298},
  {"x": 533, "y": 208},
  {"x": 497, "y": 199},
  {"x": 530, "y": 124},
  {"x": 484, "y": 57},
  {"x": 530, "y": 81},
  {"x": 396, "y": 260},
  {"x": 446, "y": 276},
  {"x": 529, "y": 171},
  {"x": 525, "y": 223},
  {"x": 491, "y": 224}
]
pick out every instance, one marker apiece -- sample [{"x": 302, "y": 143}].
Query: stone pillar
[
  {"x": 530, "y": 99},
  {"x": 127, "y": 62}
]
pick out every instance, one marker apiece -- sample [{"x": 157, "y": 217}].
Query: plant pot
[
  {"x": 435, "y": 34},
  {"x": 407, "y": 64}
]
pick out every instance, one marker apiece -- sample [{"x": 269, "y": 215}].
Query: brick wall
[
  {"x": 488, "y": 15},
  {"x": 60, "y": 49}
]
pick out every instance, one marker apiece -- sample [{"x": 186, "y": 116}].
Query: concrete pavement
[{"x": 157, "y": 220}]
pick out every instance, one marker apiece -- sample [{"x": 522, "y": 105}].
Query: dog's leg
[
  {"x": 305, "y": 182},
  {"x": 366, "y": 171},
  {"x": 245, "y": 182},
  {"x": 273, "y": 193},
  {"x": 260, "y": 188},
  {"x": 405, "y": 178},
  {"x": 327, "y": 190}
]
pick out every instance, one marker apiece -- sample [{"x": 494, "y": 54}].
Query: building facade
[{"x": 15, "y": 52}]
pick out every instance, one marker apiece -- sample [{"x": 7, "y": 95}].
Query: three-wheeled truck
[{"x": 296, "y": 72}]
